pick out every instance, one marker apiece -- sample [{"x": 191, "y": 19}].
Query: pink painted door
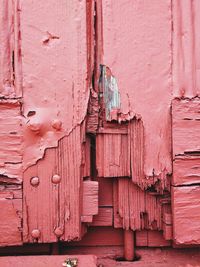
[{"x": 99, "y": 120}]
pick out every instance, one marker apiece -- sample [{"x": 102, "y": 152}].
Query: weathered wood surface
[
  {"x": 112, "y": 155},
  {"x": 52, "y": 205},
  {"x": 186, "y": 216},
  {"x": 11, "y": 216},
  {"x": 90, "y": 66},
  {"x": 55, "y": 72},
  {"x": 186, "y": 48}
]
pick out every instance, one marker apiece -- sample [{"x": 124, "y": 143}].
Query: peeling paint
[{"x": 111, "y": 94}]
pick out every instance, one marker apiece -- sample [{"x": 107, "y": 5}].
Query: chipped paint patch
[{"x": 111, "y": 94}]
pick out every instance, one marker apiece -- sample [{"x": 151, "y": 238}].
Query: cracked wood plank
[{"x": 186, "y": 146}]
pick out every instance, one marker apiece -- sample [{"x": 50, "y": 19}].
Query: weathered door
[{"x": 99, "y": 115}]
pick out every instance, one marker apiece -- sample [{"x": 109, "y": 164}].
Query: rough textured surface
[
  {"x": 185, "y": 207},
  {"x": 50, "y": 261},
  {"x": 55, "y": 88},
  {"x": 10, "y": 223},
  {"x": 50, "y": 206},
  {"x": 112, "y": 154},
  {"x": 186, "y": 126},
  {"x": 10, "y": 53},
  {"x": 186, "y": 48},
  {"x": 138, "y": 209},
  {"x": 11, "y": 141}
]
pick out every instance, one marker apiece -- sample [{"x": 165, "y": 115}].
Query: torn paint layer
[
  {"x": 11, "y": 140},
  {"x": 51, "y": 193},
  {"x": 55, "y": 86},
  {"x": 143, "y": 71},
  {"x": 111, "y": 94}
]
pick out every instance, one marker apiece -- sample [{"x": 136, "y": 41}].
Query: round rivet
[
  {"x": 56, "y": 179},
  {"x": 58, "y": 231},
  {"x": 35, "y": 233},
  {"x": 34, "y": 126},
  {"x": 35, "y": 181},
  {"x": 56, "y": 124}
]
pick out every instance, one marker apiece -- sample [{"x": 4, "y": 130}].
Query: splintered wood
[
  {"x": 137, "y": 208},
  {"x": 136, "y": 143}
]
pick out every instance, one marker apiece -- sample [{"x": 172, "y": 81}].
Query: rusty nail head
[
  {"x": 35, "y": 181},
  {"x": 58, "y": 231},
  {"x": 56, "y": 179},
  {"x": 35, "y": 233}
]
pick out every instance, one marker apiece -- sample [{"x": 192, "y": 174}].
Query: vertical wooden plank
[
  {"x": 54, "y": 64},
  {"x": 53, "y": 205},
  {"x": 185, "y": 48},
  {"x": 137, "y": 208},
  {"x": 10, "y": 52},
  {"x": 136, "y": 143},
  {"x": 112, "y": 155}
]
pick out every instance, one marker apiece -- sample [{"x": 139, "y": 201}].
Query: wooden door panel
[{"x": 52, "y": 193}]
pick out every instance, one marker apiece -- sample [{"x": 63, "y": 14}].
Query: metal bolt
[
  {"x": 56, "y": 124},
  {"x": 56, "y": 179},
  {"x": 35, "y": 181},
  {"x": 35, "y": 233},
  {"x": 58, "y": 231},
  {"x": 34, "y": 126}
]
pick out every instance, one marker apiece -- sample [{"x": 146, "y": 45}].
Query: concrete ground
[{"x": 156, "y": 257}]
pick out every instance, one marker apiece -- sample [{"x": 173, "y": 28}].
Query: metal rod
[{"x": 129, "y": 246}]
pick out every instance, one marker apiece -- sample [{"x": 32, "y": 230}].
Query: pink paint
[
  {"x": 99, "y": 126},
  {"x": 53, "y": 70}
]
